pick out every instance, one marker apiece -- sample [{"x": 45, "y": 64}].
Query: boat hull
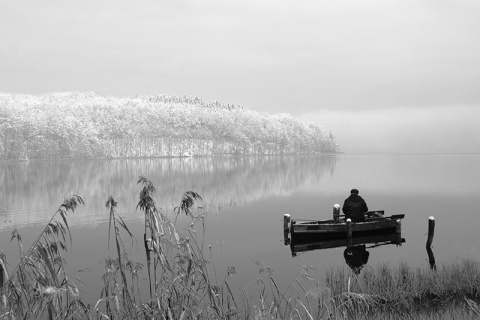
[
  {"x": 327, "y": 229},
  {"x": 379, "y": 239}
]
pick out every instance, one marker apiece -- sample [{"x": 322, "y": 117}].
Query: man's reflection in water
[{"x": 356, "y": 257}]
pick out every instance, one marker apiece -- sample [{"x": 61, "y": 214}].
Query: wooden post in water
[
  {"x": 286, "y": 229},
  {"x": 398, "y": 226},
  {"x": 349, "y": 228},
  {"x": 399, "y": 240},
  {"x": 398, "y": 230},
  {"x": 349, "y": 232},
  {"x": 286, "y": 222},
  {"x": 336, "y": 212},
  {"x": 431, "y": 231},
  {"x": 431, "y": 259},
  {"x": 292, "y": 224}
]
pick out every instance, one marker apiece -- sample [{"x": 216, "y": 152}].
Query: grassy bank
[
  {"x": 403, "y": 290},
  {"x": 183, "y": 282}
]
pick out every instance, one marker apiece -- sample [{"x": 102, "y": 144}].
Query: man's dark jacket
[{"x": 354, "y": 208}]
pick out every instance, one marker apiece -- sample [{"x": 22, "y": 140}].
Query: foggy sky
[{"x": 383, "y": 76}]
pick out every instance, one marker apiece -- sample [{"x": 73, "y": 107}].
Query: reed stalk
[{"x": 39, "y": 286}]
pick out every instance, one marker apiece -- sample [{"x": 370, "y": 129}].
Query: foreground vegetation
[
  {"x": 183, "y": 283},
  {"x": 84, "y": 125},
  {"x": 402, "y": 290}
]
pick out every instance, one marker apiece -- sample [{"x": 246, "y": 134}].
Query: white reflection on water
[{"x": 32, "y": 191}]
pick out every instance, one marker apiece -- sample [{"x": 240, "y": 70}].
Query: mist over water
[{"x": 448, "y": 129}]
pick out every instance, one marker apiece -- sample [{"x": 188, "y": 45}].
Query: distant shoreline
[
  {"x": 328, "y": 154},
  {"x": 172, "y": 157}
]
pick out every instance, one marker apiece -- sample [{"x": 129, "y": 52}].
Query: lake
[{"x": 246, "y": 199}]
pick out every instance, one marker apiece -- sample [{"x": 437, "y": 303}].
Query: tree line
[{"x": 86, "y": 125}]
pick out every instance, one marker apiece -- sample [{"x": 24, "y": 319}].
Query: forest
[{"x": 73, "y": 125}]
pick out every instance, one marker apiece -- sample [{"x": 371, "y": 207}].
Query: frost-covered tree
[{"x": 85, "y": 125}]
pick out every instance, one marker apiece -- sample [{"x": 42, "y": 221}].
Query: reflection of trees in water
[{"x": 31, "y": 191}]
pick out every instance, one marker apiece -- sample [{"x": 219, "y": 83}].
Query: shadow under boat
[
  {"x": 356, "y": 254},
  {"x": 392, "y": 238}
]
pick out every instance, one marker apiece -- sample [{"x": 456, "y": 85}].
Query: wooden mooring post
[
  {"x": 286, "y": 229},
  {"x": 398, "y": 227},
  {"x": 336, "y": 212},
  {"x": 431, "y": 231},
  {"x": 431, "y": 259},
  {"x": 286, "y": 222},
  {"x": 349, "y": 232},
  {"x": 349, "y": 228}
]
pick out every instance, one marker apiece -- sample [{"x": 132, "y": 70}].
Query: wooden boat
[{"x": 338, "y": 228}]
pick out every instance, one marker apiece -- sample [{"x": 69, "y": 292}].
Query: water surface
[{"x": 246, "y": 199}]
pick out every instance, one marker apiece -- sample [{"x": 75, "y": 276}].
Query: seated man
[{"x": 355, "y": 207}]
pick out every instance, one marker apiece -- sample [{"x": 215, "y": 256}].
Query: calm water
[{"x": 246, "y": 200}]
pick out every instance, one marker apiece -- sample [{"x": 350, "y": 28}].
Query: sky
[{"x": 383, "y": 76}]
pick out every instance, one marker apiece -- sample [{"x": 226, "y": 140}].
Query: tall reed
[
  {"x": 119, "y": 296},
  {"x": 39, "y": 285},
  {"x": 180, "y": 280}
]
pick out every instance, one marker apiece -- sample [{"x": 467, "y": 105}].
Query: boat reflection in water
[
  {"x": 356, "y": 257},
  {"x": 356, "y": 254}
]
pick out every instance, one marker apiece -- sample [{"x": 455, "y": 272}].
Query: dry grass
[{"x": 404, "y": 290}]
